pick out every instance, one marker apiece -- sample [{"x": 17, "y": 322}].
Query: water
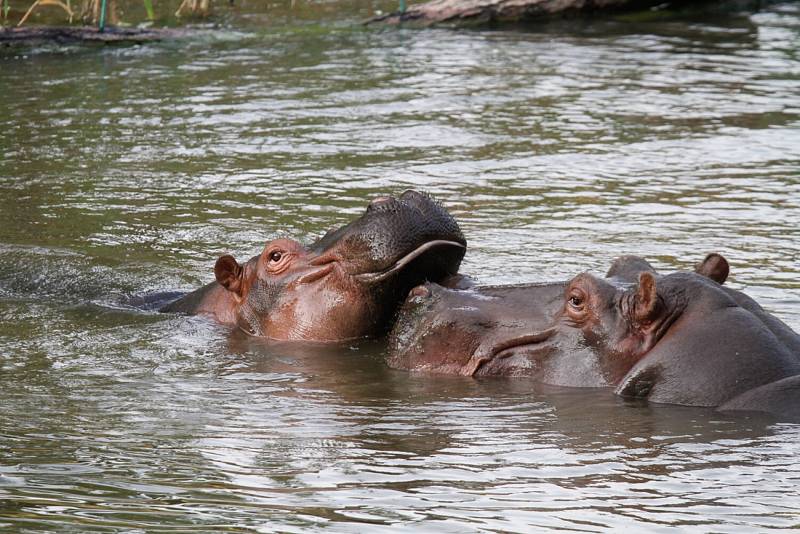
[{"x": 126, "y": 170}]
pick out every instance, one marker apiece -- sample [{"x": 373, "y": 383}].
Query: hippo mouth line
[
  {"x": 504, "y": 349},
  {"x": 379, "y": 276},
  {"x": 327, "y": 262}
]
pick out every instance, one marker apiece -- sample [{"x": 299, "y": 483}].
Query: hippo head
[
  {"x": 682, "y": 338},
  {"x": 584, "y": 332},
  {"x": 604, "y": 326},
  {"x": 349, "y": 283},
  {"x": 615, "y": 324}
]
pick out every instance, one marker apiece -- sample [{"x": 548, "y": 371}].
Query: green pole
[
  {"x": 402, "y": 6},
  {"x": 102, "y": 23}
]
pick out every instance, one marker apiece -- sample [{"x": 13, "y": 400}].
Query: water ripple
[{"x": 125, "y": 171}]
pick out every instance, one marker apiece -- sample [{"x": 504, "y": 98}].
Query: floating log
[
  {"x": 73, "y": 34},
  {"x": 491, "y": 11}
]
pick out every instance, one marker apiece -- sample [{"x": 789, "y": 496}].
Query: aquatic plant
[
  {"x": 63, "y": 5},
  {"x": 194, "y": 8},
  {"x": 91, "y": 11}
]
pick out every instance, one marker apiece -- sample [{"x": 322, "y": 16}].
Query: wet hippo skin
[
  {"x": 348, "y": 284},
  {"x": 682, "y": 338}
]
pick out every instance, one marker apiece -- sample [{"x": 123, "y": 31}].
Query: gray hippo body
[{"x": 682, "y": 338}]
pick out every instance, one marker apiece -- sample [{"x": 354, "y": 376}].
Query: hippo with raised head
[
  {"x": 348, "y": 284},
  {"x": 681, "y": 338}
]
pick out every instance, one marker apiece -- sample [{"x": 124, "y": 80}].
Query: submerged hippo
[
  {"x": 496, "y": 330},
  {"x": 347, "y": 284},
  {"x": 690, "y": 341},
  {"x": 682, "y": 338}
]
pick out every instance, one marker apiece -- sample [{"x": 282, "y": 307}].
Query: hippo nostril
[{"x": 420, "y": 292}]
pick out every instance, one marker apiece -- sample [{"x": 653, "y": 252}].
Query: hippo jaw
[
  {"x": 391, "y": 234},
  {"x": 462, "y": 332},
  {"x": 405, "y": 261},
  {"x": 534, "y": 346}
]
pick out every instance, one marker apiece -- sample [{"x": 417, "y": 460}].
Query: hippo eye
[
  {"x": 275, "y": 256},
  {"x": 576, "y": 300}
]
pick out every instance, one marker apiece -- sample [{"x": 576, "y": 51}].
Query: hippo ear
[
  {"x": 714, "y": 266},
  {"x": 646, "y": 298},
  {"x": 229, "y": 274}
]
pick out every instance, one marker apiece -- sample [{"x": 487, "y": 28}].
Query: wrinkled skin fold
[
  {"x": 346, "y": 285},
  {"x": 681, "y": 338}
]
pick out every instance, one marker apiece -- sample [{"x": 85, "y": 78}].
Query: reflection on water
[{"x": 128, "y": 170}]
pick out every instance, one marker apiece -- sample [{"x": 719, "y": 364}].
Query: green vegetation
[{"x": 118, "y": 12}]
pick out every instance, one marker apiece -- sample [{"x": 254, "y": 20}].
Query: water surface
[{"x": 129, "y": 170}]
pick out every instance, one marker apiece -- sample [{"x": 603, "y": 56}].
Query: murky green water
[{"x": 128, "y": 170}]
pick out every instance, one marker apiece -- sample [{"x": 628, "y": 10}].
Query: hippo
[
  {"x": 494, "y": 330},
  {"x": 691, "y": 341},
  {"x": 682, "y": 338},
  {"x": 348, "y": 284}
]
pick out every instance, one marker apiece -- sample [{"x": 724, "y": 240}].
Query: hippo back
[{"x": 780, "y": 399}]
